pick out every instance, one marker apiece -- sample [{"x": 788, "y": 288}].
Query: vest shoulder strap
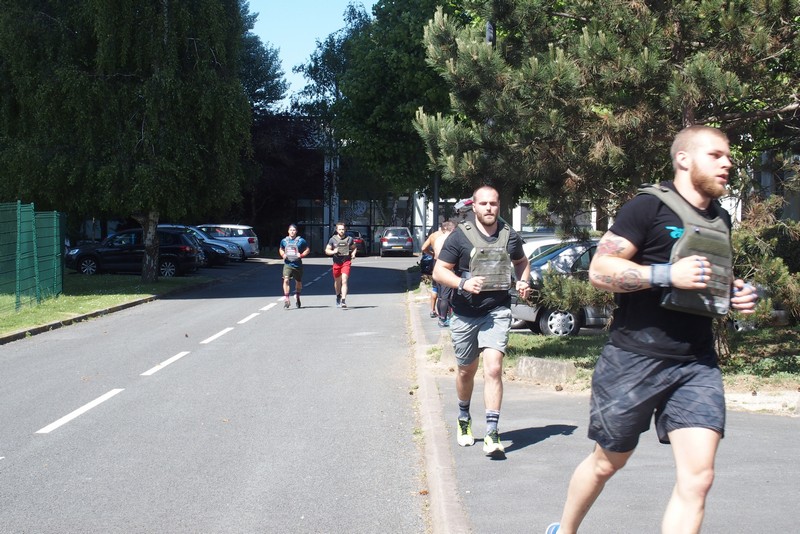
[
  {"x": 474, "y": 235},
  {"x": 675, "y": 202}
]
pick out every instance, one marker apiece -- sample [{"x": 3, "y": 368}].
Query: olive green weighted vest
[
  {"x": 490, "y": 260},
  {"x": 702, "y": 237}
]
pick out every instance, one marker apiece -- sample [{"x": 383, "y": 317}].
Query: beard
[
  {"x": 486, "y": 219},
  {"x": 706, "y": 183}
]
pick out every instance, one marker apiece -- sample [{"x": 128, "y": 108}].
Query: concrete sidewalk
[{"x": 544, "y": 433}]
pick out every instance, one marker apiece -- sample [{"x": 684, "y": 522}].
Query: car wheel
[
  {"x": 517, "y": 324},
  {"x": 168, "y": 269},
  {"x": 742, "y": 325},
  {"x": 533, "y": 326},
  {"x": 559, "y": 323},
  {"x": 87, "y": 265}
]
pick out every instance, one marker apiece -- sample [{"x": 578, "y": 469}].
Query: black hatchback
[{"x": 124, "y": 252}]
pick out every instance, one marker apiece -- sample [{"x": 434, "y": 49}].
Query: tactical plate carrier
[
  {"x": 702, "y": 237},
  {"x": 489, "y": 260}
]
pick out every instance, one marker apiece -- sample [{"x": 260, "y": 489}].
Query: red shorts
[{"x": 341, "y": 268}]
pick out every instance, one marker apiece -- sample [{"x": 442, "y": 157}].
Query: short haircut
[
  {"x": 685, "y": 139},
  {"x": 448, "y": 226},
  {"x": 484, "y": 186}
]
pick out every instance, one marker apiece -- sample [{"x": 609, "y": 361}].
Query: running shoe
[
  {"x": 465, "y": 437},
  {"x": 552, "y": 528},
  {"x": 297, "y": 302},
  {"x": 344, "y": 304},
  {"x": 444, "y": 323},
  {"x": 492, "y": 446},
  {"x": 338, "y": 301},
  {"x": 433, "y": 315},
  {"x": 286, "y": 303}
]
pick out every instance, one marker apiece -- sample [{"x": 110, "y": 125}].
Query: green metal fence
[{"x": 31, "y": 255}]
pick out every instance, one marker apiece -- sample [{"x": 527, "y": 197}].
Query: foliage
[
  {"x": 764, "y": 352},
  {"x": 565, "y": 292},
  {"x": 260, "y": 70},
  {"x": 754, "y": 242},
  {"x": 122, "y": 108},
  {"x": 385, "y": 81},
  {"x": 575, "y": 98},
  {"x": 366, "y": 81}
]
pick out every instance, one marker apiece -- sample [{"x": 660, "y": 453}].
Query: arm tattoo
[
  {"x": 611, "y": 245},
  {"x": 604, "y": 279},
  {"x": 629, "y": 280}
]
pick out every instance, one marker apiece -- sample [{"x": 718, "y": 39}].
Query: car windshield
[
  {"x": 397, "y": 232},
  {"x": 199, "y": 234},
  {"x": 546, "y": 256},
  {"x": 544, "y": 249}
]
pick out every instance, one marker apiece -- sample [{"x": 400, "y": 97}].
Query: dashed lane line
[
  {"x": 83, "y": 409},
  {"x": 165, "y": 363},
  {"x": 251, "y": 316},
  {"x": 216, "y": 336}
]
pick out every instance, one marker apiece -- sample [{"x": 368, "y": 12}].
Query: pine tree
[{"x": 579, "y": 101}]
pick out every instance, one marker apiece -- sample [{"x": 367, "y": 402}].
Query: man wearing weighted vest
[
  {"x": 342, "y": 248},
  {"x": 293, "y": 249},
  {"x": 671, "y": 273},
  {"x": 476, "y": 261}
]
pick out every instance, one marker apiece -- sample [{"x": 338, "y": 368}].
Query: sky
[{"x": 295, "y": 26}]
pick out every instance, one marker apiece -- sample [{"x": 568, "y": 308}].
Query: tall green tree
[
  {"x": 385, "y": 82},
  {"x": 578, "y": 101},
  {"x": 260, "y": 70},
  {"x": 124, "y": 107},
  {"x": 321, "y": 96},
  {"x": 366, "y": 83}
]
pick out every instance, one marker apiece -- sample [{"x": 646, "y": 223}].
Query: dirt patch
[{"x": 742, "y": 393}]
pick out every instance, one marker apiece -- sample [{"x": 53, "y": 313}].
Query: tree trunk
[{"x": 149, "y": 224}]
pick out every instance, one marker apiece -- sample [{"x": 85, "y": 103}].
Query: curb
[{"x": 448, "y": 514}]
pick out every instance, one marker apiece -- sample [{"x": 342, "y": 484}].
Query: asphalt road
[{"x": 219, "y": 411}]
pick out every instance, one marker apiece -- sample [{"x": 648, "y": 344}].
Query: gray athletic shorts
[
  {"x": 470, "y": 335},
  {"x": 628, "y": 389}
]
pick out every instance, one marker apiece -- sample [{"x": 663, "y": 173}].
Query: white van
[{"x": 242, "y": 235}]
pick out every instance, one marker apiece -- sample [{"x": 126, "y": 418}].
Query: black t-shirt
[
  {"x": 640, "y": 324},
  {"x": 456, "y": 250}
]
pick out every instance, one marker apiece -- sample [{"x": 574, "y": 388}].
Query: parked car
[
  {"x": 230, "y": 250},
  {"x": 124, "y": 251},
  {"x": 358, "y": 240},
  {"x": 536, "y": 246},
  {"x": 240, "y": 234},
  {"x": 397, "y": 239},
  {"x": 570, "y": 259}
]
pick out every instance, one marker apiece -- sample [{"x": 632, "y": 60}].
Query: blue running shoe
[{"x": 552, "y": 528}]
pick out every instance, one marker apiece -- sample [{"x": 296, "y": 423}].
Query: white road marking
[
  {"x": 165, "y": 363},
  {"x": 252, "y": 315},
  {"x": 83, "y": 409},
  {"x": 267, "y": 307},
  {"x": 215, "y": 336}
]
